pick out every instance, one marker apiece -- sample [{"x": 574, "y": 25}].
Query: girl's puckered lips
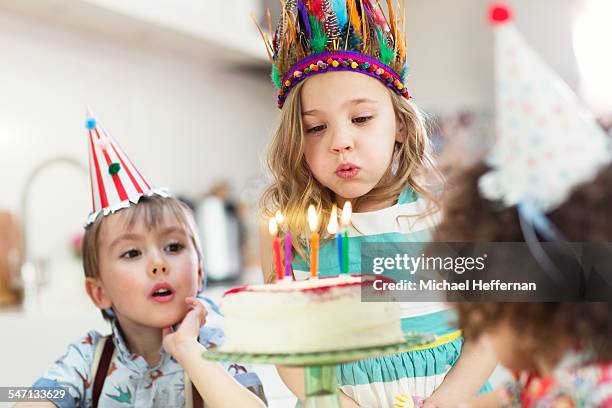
[
  {"x": 162, "y": 292},
  {"x": 347, "y": 170}
]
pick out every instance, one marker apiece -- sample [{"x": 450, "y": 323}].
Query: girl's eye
[
  {"x": 316, "y": 129},
  {"x": 362, "y": 119},
  {"x": 174, "y": 247},
  {"x": 132, "y": 253}
]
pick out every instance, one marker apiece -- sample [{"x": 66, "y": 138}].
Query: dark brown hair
[{"x": 584, "y": 217}]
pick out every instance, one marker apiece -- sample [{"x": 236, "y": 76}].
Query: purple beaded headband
[{"x": 340, "y": 61}]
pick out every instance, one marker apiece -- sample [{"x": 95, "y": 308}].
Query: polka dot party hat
[
  {"x": 547, "y": 142},
  {"x": 115, "y": 182}
]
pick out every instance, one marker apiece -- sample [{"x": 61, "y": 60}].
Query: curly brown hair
[{"x": 585, "y": 217}]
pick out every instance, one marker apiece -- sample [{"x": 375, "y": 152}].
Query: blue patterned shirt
[{"x": 130, "y": 381}]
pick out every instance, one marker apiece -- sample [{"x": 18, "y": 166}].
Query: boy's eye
[
  {"x": 174, "y": 247},
  {"x": 132, "y": 253},
  {"x": 361, "y": 119},
  {"x": 316, "y": 129}
]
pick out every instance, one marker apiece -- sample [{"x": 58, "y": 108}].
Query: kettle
[{"x": 221, "y": 234}]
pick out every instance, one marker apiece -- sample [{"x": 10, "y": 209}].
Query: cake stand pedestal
[{"x": 321, "y": 388}]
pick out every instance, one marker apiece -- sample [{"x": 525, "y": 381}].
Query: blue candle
[
  {"x": 332, "y": 229},
  {"x": 339, "y": 242}
]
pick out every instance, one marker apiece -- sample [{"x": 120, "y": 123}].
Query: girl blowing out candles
[{"x": 348, "y": 131}]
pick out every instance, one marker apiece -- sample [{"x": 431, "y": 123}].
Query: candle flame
[
  {"x": 347, "y": 211},
  {"x": 272, "y": 227},
  {"x": 279, "y": 217},
  {"x": 313, "y": 218},
  {"x": 332, "y": 226}
]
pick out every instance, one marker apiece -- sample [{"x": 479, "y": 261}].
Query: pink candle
[
  {"x": 347, "y": 211},
  {"x": 288, "y": 254},
  {"x": 313, "y": 223}
]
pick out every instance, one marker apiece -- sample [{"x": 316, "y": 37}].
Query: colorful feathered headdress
[{"x": 316, "y": 36}]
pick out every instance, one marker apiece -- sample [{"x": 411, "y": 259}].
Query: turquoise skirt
[{"x": 374, "y": 382}]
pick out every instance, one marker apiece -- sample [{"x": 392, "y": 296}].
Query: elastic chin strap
[
  {"x": 530, "y": 214},
  {"x": 534, "y": 222}
]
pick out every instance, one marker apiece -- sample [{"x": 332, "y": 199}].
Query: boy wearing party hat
[{"x": 143, "y": 268}]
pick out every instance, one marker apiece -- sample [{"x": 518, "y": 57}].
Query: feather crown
[{"x": 316, "y": 36}]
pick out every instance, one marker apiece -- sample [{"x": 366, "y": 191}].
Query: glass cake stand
[{"x": 321, "y": 389}]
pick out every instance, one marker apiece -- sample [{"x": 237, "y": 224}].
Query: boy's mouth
[
  {"x": 347, "y": 170},
  {"x": 162, "y": 292}
]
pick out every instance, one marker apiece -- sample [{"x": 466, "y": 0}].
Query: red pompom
[{"x": 499, "y": 13}]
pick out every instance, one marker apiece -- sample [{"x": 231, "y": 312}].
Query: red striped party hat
[{"x": 116, "y": 182}]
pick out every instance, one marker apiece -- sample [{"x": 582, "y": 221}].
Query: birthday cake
[{"x": 307, "y": 316}]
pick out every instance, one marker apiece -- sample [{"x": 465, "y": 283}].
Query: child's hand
[
  {"x": 407, "y": 401},
  {"x": 175, "y": 341}
]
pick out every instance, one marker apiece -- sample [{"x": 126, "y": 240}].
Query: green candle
[
  {"x": 345, "y": 257},
  {"x": 347, "y": 211}
]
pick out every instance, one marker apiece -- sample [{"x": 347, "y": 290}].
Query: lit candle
[
  {"x": 280, "y": 219},
  {"x": 276, "y": 247},
  {"x": 332, "y": 229},
  {"x": 313, "y": 223},
  {"x": 278, "y": 216},
  {"x": 347, "y": 211}
]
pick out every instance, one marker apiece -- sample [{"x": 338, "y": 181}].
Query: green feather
[
  {"x": 276, "y": 77},
  {"x": 386, "y": 53},
  {"x": 319, "y": 39}
]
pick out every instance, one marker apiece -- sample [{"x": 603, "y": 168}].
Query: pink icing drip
[{"x": 315, "y": 290}]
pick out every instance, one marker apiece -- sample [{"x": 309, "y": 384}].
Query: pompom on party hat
[
  {"x": 318, "y": 36},
  {"x": 547, "y": 141},
  {"x": 116, "y": 182}
]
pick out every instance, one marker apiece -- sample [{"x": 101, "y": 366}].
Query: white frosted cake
[{"x": 307, "y": 316}]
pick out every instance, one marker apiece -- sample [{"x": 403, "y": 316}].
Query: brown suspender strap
[
  {"x": 102, "y": 370},
  {"x": 197, "y": 399},
  {"x": 105, "y": 360}
]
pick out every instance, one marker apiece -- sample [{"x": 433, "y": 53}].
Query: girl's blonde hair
[{"x": 294, "y": 188}]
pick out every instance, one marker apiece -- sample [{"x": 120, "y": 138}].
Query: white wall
[
  {"x": 185, "y": 122},
  {"x": 450, "y": 47}
]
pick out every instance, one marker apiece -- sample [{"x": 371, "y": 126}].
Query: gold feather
[
  {"x": 265, "y": 40},
  {"x": 270, "y": 24},
  {"x": 363, "y": 22},
  {"x": 354, "y": 16},
  {"x": 392, "y": 21}
]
